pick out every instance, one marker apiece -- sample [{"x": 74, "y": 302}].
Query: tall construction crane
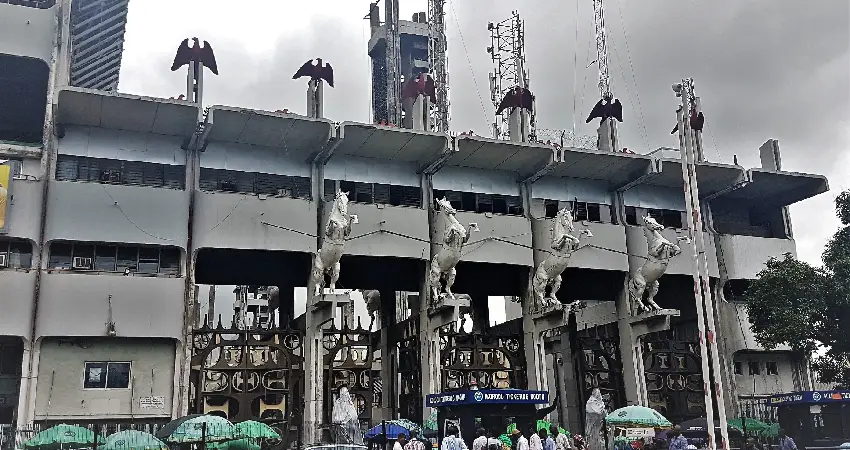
[
  {"x": 438, "y": 63},
  {"x": 607, "y": 108}
]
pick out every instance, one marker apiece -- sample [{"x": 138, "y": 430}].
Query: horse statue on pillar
[
  {"x": 547, "y": 276},
  {"x": 658, "y": 253},
  {"x": 337, "y": 230},
  {"x": 444, "y": 261}
]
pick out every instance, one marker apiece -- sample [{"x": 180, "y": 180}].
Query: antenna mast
[
  {"x": 393, "y": 51},
  {"x": 601, "y": 49},
  {"x": 438, "y": 63},
  {"x": 507, "y": 50}
]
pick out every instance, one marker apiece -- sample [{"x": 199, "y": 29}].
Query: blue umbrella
[{"x": 393, "y": 427}]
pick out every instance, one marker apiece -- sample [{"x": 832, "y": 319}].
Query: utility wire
[
  {"x": 121, "y": 210},
  {"x": 641, "y": 121},
  {"x": 471, "y": 69}
]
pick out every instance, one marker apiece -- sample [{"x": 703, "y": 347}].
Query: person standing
[
  {"x": 493, "y": 442},
  {"x": 562, "y": 442},
  {"x": 480, "y": 442},
  {"x": 400, "y": 441},
  {"x": 534, "y": 442},
  {"x": 548, "y": 442},
  {"x": 677, "y": 442},
  {"x": 415, "y": 443},
  {"x": 785, "y": 441},
  {"x": 520, "y": 441},
  {"x": 452, "y": 441}
]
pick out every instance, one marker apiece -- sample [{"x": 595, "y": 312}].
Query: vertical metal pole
[
  {"x": 693, "y": 139},
  {"x": 706, "y": 374}
]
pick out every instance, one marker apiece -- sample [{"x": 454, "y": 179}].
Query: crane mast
[
  {"x": 438, "y": 63},
  {"x": 601, "y": 49}
]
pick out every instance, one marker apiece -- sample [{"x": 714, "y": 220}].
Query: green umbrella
[
  {"x": 506, "y": 440},
  {"x": 62, "y": 436},
  {"x": 431, "y": 422},
  {"x": 238, "y": 444},
  {"x": 132, "y": 440},
  {"x": 637, "y": 416},
  {"x": 753, "y": 426},
  {"x": 192, "y": 430},
  {"x": 771, "y": 431},
  {"x": 251, "y": 429}
]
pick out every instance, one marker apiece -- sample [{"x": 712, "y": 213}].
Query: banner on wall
[{"x": 5, "y": 181}]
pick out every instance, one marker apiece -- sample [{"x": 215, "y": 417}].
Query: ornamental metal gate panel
[
  {"x": 255, "y": 374},
  {"x": 495, "y": 360},
  {"x": 409, "y": 398},
  {"x": 674, "y": 373},
  {"x": 348, "y": 362},
  {"x": 600, "y": 364}
]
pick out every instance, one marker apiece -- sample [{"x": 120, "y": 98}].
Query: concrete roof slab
[
  {"x": 779, "y": 188},
  {"x": 382, "y": 142},
  {"x": 492, "y": 154},
  {"x": 618, "y": 169},
  {"x": 116, "y": 111},
  {"x": 712, "y": 178},
  {"x": 298, "y": 136}
]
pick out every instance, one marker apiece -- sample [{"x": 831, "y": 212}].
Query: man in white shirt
[
  {"x": 399, "y": 443},
  {"x": 562, "y": 442},
  {"x": 521, "y": 443},
  {"x": 535, "y": 443},
  {"x": 452, "y": 441},
  {"x": 480, "y": 443}
]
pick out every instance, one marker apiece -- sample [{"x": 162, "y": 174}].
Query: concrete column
[
  {"x": 388, "y": 354},
  {"x": 315, "y": 99},
  {"x": 630, "y": 353},
  {"x": 480, "y": 312},
  {"x": 608, "y": 138},
  {"x": 535, "y": 356},
  {"x": 569, "y": 385}
]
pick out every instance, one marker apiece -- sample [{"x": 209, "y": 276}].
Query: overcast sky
[{"x": 763, "y": 68}]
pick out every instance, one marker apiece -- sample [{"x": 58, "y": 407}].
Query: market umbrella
[
  {"x": 393, "y": 429},
  {"x": 251, "y": 429},
  {"x": 540, "y": 424},
  {"x": 132, "y": 440},
  {"x": 190, "y": 429},
  {"x": 697, "y": 427},
  {"x": 637, "y": 416},
  {"x": 62, "y": 436},
  {"x": 753, "y": 426},
  {"x": 238, "y": 444},
  {"x": 771, "y": 431}
]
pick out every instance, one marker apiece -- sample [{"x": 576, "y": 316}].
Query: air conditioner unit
[
  {"x": 283, "y": 193},
  {"x": 2, "y": 260},
  {"x": 110, "y": 176},
  {"x": 81, "y": 263}
]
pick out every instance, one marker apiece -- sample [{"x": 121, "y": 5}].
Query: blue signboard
[
  {"x": 809, "y": 397},
  {"x": 488, "y": 396}
]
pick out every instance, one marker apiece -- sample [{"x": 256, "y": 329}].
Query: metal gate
[
  {"x": 495, "y": 360},
  {"x": 674, "y": 373},
  {"x": 255, "y": 374}
]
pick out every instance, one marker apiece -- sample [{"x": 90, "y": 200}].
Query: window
[
  {"x": 666, "y": 217},
  {"x": 107, "y": 375},
  {"x": 483, "y": 203},
  {"x": 40, "y": 4},
  {"x": 738, "y": 369},
  {"x": 754, "y": 367},
  {"x": 551, "y": 208},
  {"x": 17, "y": 253},
  {"x": 117, "y": 258},
  {"x": 590, "y": 212},
  {"x": 631, "y": 216},
  {"x": 770, "y": 368},
  {"x": 217, "y": 180},
  {"x": 113, "y": 171},
  {"x": 375, "y": 193}
]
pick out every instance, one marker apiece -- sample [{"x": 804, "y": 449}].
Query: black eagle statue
[
  {"x": 316, "y": 71},
  {"x": 605, "y": 108},
  {"x": 195, "y": 54},
  {"x": 422, "y": 84},
  {"x": 517, "y": 97}
]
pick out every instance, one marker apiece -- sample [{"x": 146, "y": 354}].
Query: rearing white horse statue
[
  {"x": 658, "y": 253},
  {"x": 444, "y": 261},
  {"x": 547, "y": 276},
  {"x": 337, "y": 229}
]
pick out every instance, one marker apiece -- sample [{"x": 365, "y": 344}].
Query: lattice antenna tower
[
  {"x": 393, "y": 50},
  {"x": 438, "y": 63},
  {"x": 507, "y": 51},
  {"x": 601, "y": 50}
]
